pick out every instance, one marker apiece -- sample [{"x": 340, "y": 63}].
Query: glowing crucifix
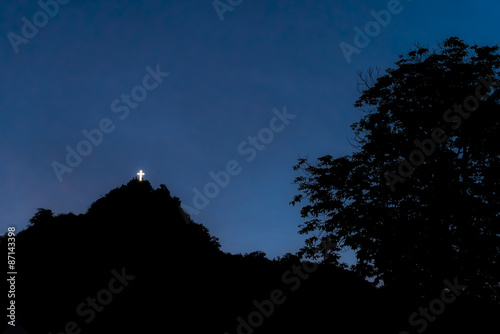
[{"x": 141, "y": 174}]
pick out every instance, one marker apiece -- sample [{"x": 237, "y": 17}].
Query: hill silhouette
[{"x": 136, "y": 262}]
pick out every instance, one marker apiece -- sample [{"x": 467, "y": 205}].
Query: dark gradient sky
[{"x": 225, "y": 79}]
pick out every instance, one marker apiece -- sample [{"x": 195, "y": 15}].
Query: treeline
[{"x": 136, "y": 262}]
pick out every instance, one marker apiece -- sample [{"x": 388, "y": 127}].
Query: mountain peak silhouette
[{"x": 132, "y": 263}]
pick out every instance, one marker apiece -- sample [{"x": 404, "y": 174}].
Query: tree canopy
[{"x": 418, "y": 199}]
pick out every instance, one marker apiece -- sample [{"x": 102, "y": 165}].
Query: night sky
[{"x": 181, "y": 89}]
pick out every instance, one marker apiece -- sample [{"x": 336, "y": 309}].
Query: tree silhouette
[
  {"x": 41, "y": 217},
  {"x": 181, "y": 278},
  {"x": 418, "y": 199}
]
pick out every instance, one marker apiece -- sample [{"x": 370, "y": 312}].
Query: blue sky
[{"x": 225, "y": 78}]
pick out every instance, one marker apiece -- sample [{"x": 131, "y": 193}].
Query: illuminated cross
[{"x": 141, "y": 174}]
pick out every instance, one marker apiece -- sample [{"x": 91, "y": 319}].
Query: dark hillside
[{"x": 134, "y": 263}]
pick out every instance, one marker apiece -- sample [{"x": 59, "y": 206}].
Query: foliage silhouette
[
  {"x": 443, "y": 220},
  {"x": 182, "y": 278},
  {"x": 183, "y": 281}
]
